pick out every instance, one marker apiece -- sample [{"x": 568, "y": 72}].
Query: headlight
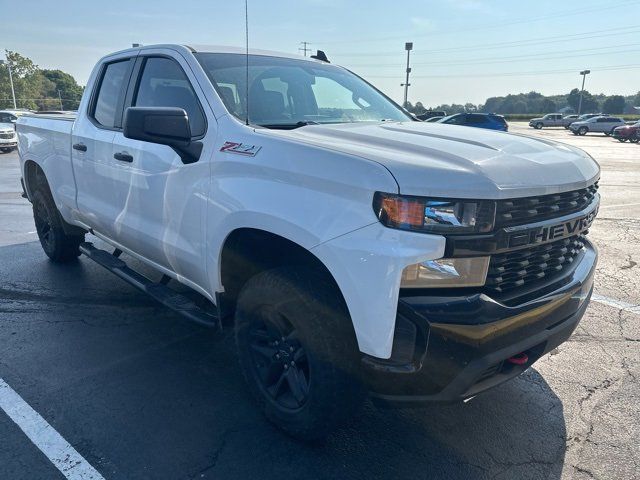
[
  {"x": 446, "y": 272},
  {"x": 434, "y": 215}
]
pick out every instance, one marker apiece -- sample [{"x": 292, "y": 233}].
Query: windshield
[{"x": 288, "y": 93}]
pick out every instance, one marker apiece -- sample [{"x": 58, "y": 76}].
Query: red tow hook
[{"x": 519, "y": 359}]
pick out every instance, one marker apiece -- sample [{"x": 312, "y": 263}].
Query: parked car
[
  {"x": 627, "y": 132},
  {"x": 11, "y": 115},
  {"x": 8, "y": 138},
  {"x": 568, "y": 120},
  {"x": 587, "y": 116},
  {"x": 553, "y": 120},
  {"x": 549, "y": 120},
  {"x": 348, "y": 254},
  {"x": 489, "y": 121},
  {"x": 434, "y": 119},
  {"x": 431, "y": 114},
  {"x": 602, "y": 124}
]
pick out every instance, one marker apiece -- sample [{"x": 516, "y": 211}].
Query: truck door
[
  {"x": 92, "y": 139},
  {"x": 161, "y": 201}
]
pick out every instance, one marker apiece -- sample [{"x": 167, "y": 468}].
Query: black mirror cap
[{"x": 164, "y": 125}]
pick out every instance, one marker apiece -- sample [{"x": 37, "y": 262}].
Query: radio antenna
[{"x": 246, "y": 32}]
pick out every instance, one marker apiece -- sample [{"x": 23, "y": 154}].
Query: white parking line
[
  {"x": 65, "y": 458},
  {"x": 619, "y": 304}
]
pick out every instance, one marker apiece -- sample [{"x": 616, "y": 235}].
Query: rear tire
[
  {"x": 622, "y": 140},
  {"x": 298, "y": 351},
  {"x": 58, "y": 246}
]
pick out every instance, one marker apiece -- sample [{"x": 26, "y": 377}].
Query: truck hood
[{"x": 452, "y": 161}]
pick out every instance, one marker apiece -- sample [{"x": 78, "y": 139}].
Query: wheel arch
[
  {"x": 33, "y": 175},
  {"x": 248, "y": 251}
]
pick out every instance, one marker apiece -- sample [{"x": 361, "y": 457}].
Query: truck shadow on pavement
[{"x": 141, "y": 393}]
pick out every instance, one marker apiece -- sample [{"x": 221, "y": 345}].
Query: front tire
[
  {"x": 58, "y": 246},
  {"x": 538, "y": 126},
  {"x": 583, "y": 130},
  {"x": 298, "y": 352},
  {"x": 6, "y": 150}
]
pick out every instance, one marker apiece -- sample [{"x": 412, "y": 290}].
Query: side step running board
[{"x": 158, "y": 290}]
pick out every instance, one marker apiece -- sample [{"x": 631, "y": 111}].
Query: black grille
[
  {"x": 6, "y": 135},
  {"x": 520, "y": 211},
  {"x": 530, "y": 266}
]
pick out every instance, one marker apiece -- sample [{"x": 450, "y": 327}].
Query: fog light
[{"x": 446, "y": 273}]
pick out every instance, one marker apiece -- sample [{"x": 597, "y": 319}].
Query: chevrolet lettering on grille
[{"x": 547, "y": 233}]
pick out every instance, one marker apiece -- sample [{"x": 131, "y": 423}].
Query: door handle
[
  {"x": 123, "y": 157},
  {"x": 80, "y": 146}
]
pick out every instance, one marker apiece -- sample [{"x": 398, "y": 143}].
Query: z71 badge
[{"x": 240, "y": 148}]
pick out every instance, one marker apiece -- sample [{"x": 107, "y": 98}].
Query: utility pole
[
  {"x": 60, "y": 98},
  {"x": 304, "y": 48},
  {"x": 13, "y": 92},
  {"x": 408, "y": 47},
  {"x": 584, "y": 74}
]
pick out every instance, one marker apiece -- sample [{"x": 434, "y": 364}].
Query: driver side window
[{"x": 164, "y": 84}]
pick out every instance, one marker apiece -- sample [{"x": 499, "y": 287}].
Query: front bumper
[{"x": 450, "y": 348}]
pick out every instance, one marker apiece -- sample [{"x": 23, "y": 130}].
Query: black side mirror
[{"x": 163, "y": 125}]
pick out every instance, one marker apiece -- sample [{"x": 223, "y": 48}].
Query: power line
[
  {"x": 304, "y": 48},
  {"x": 517, "y": 74},
  {"x": 512, "y": 44},
  {"x": 565, "y": 13},
  {"x": 514, "y": 58}
]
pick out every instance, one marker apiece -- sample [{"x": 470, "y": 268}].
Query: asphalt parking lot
[{"x": 141, "y": 393}]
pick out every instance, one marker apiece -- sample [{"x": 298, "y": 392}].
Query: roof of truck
[{"x": 220, "y": 49}]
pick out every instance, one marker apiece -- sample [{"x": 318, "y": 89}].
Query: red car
[{"x": 627, "y": 132}]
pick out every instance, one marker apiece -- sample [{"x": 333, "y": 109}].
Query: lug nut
[
  {"x": 291, "y": 349},
  {"x": 286, "y": 367}
]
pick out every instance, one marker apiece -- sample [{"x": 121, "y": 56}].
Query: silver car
[{"x": 602, "y": 124}]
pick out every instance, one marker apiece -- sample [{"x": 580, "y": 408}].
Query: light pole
[
  {"x": 408, "y": 47},
  {"x": 584, "y": 74},
  {"x": 13, "y": 92}
]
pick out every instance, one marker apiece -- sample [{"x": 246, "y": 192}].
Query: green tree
[
  {"x": 589, "y": 103},
  {"x": 418, "y": 108},
  {"x": 548, "y": 106},
  {"x": 63, "y": 86},
  {"x": 614, "y": 104},
  {"x": 27, "y": 82}
]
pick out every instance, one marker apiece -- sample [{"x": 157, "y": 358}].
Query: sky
[{"x": 464, "y": 50}]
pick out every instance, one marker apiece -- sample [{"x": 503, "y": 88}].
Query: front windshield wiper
[{"x": 289, "y": 126}]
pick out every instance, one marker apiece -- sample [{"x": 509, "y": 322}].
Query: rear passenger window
[
  {"x": 473, "y": 119},
  {"x": 110, "y": 93},
  {"x": 164, "y": 84}
]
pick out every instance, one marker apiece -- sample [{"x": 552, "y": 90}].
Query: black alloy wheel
[
  {"x": 44, "y": 224},
  {"x": 281, "y": 365}
]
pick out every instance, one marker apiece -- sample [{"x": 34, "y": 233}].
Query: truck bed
[{"x": 46, "y": 139}]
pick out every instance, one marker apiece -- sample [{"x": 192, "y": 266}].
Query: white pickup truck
[{"x": 351, "y": 249}]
